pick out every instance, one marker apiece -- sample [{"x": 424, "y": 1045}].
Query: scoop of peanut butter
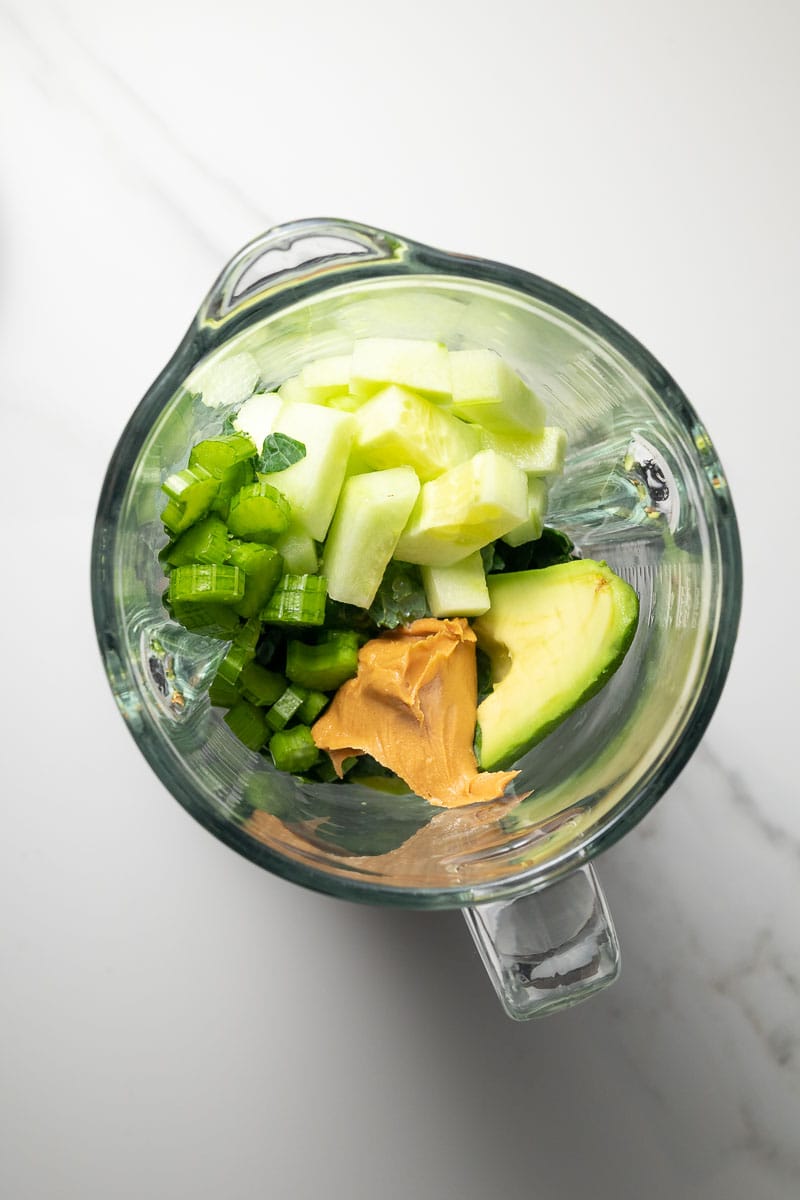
[{"x": 413, "y": 706}]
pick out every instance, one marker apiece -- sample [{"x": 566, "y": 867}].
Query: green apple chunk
[
  {"x": 422, "y": 366},
  {"x": 372, "y": 510},
  {"x": 487, "y": 391},
  {"x": 554, "y": 636},
  {"x": 397, "y": 427}
]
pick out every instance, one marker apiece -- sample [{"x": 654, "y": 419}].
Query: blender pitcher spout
[{"x": 550, "y": 949}]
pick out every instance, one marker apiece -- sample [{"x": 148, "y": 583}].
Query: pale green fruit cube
[
  {"x": 298, "y": 551},
  {"x": 487, "y": 391},
  {"x": 326, "y": 377},
  {"x": 370, "y": 515},
  {"x": 294, "y": 392},
  {"x": 464, "y": 509},
  {"x": 531, "y": 528},
  {"x": 539, "y": 453},
  {"x": 398, "y": 427},
  {"x": 422, "y": 366},
  {"x": 459, "y": 590},
  {"x": 312, "y": 485},
  {"x": 257, "y": 417}
]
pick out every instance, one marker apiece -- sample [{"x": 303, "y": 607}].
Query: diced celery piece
[
  {"x": 205, "y": 542},
  {"x": 298, "y": 551},
  {"x": 262, "y": 566},
  {"x": 486, "y": 390},
  {"x": 248, "y": 723},
  {"x": 323, "y": 667},
  {"x": 203, "y": 582},
  {"x": 285, "y": 707},
  {"x": 293, "y": 392},
  {"x": 191, "y": 494},
  {"x": 312, "y": 485},
  {"x": 420, "y": 365},
  {"x": 399, "y": 428},
  {"x": 257, "y": 416},
  {"x": 539, "y": 453},
  {"x": 297, "y": 600},
  {"x": 326, "y": 377},
  {"x": 258, "y": 512},
  {"x": 531, "y": 528},
  {"x": 464, "y": 509},
  {"x": 293, "y": 749},
  {"x": 239, "y": 655},
  {"x": 459, "y": 590},
  {"x": 259, "y": 685},
  {"x": 370, "y": 516},
  {"x": 221, "y": 693},
  {"x": 210, "y": 620},
  {"x": 312, "y": 706}
]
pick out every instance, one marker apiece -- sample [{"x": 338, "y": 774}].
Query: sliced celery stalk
[
  {"x": 285, "y": 707},
  {"x": 258, "y": 513},
  {"x": 326, "y": 666},
  {"x": 260, "y": 686},
  {"x": 202, "y": 582},
  {"x": 205, "y": 542},
  {"x": 297, "y": 600},
  {"x": 293, "y": 749},
  {"x": 248, "y": 723}
]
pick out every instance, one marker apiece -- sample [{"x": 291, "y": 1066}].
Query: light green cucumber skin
[{"x": 628, "y": 612}]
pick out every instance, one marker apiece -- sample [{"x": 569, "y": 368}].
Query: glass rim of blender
[{"x": 416, "y": 259}]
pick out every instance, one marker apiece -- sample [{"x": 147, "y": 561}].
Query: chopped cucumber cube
[
  {"x": 372, "y": 512},
  {"x": 257, "y": 416},
  {"x": 531, "y": 528},
  {"x": 326, "y": 377},
  {"x": 464, "y": 509},
  {"x": 298, "y": 551},
  {"x": 312, "y": 485},
  {"x": 459, "y": 590},
  {"x": 539, "y": 453},
  {"x": 293, "y": 392},
  {"x": 399, "y": 428},
  {"x": 486, "y": 390},
  {"x": 420, "y": 365}
]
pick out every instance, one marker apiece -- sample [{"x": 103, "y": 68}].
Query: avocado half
[{"x": 554, "y": 637}]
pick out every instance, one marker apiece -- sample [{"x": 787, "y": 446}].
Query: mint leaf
[
  {"x": 279, "y": 452},
  {"x": 400, "y": 598}
]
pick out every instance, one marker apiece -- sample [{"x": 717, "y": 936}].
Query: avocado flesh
[{"x": 554, "y": 636}]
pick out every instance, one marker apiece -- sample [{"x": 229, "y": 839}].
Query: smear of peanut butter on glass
[{"x": 413, "y": 707}]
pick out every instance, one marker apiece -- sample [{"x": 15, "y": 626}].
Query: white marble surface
[{"x": 176, "y": 1023}]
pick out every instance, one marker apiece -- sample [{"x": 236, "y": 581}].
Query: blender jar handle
[
  {"x": 288, "y": 256},
  {"x": 550, "y": 949}
]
